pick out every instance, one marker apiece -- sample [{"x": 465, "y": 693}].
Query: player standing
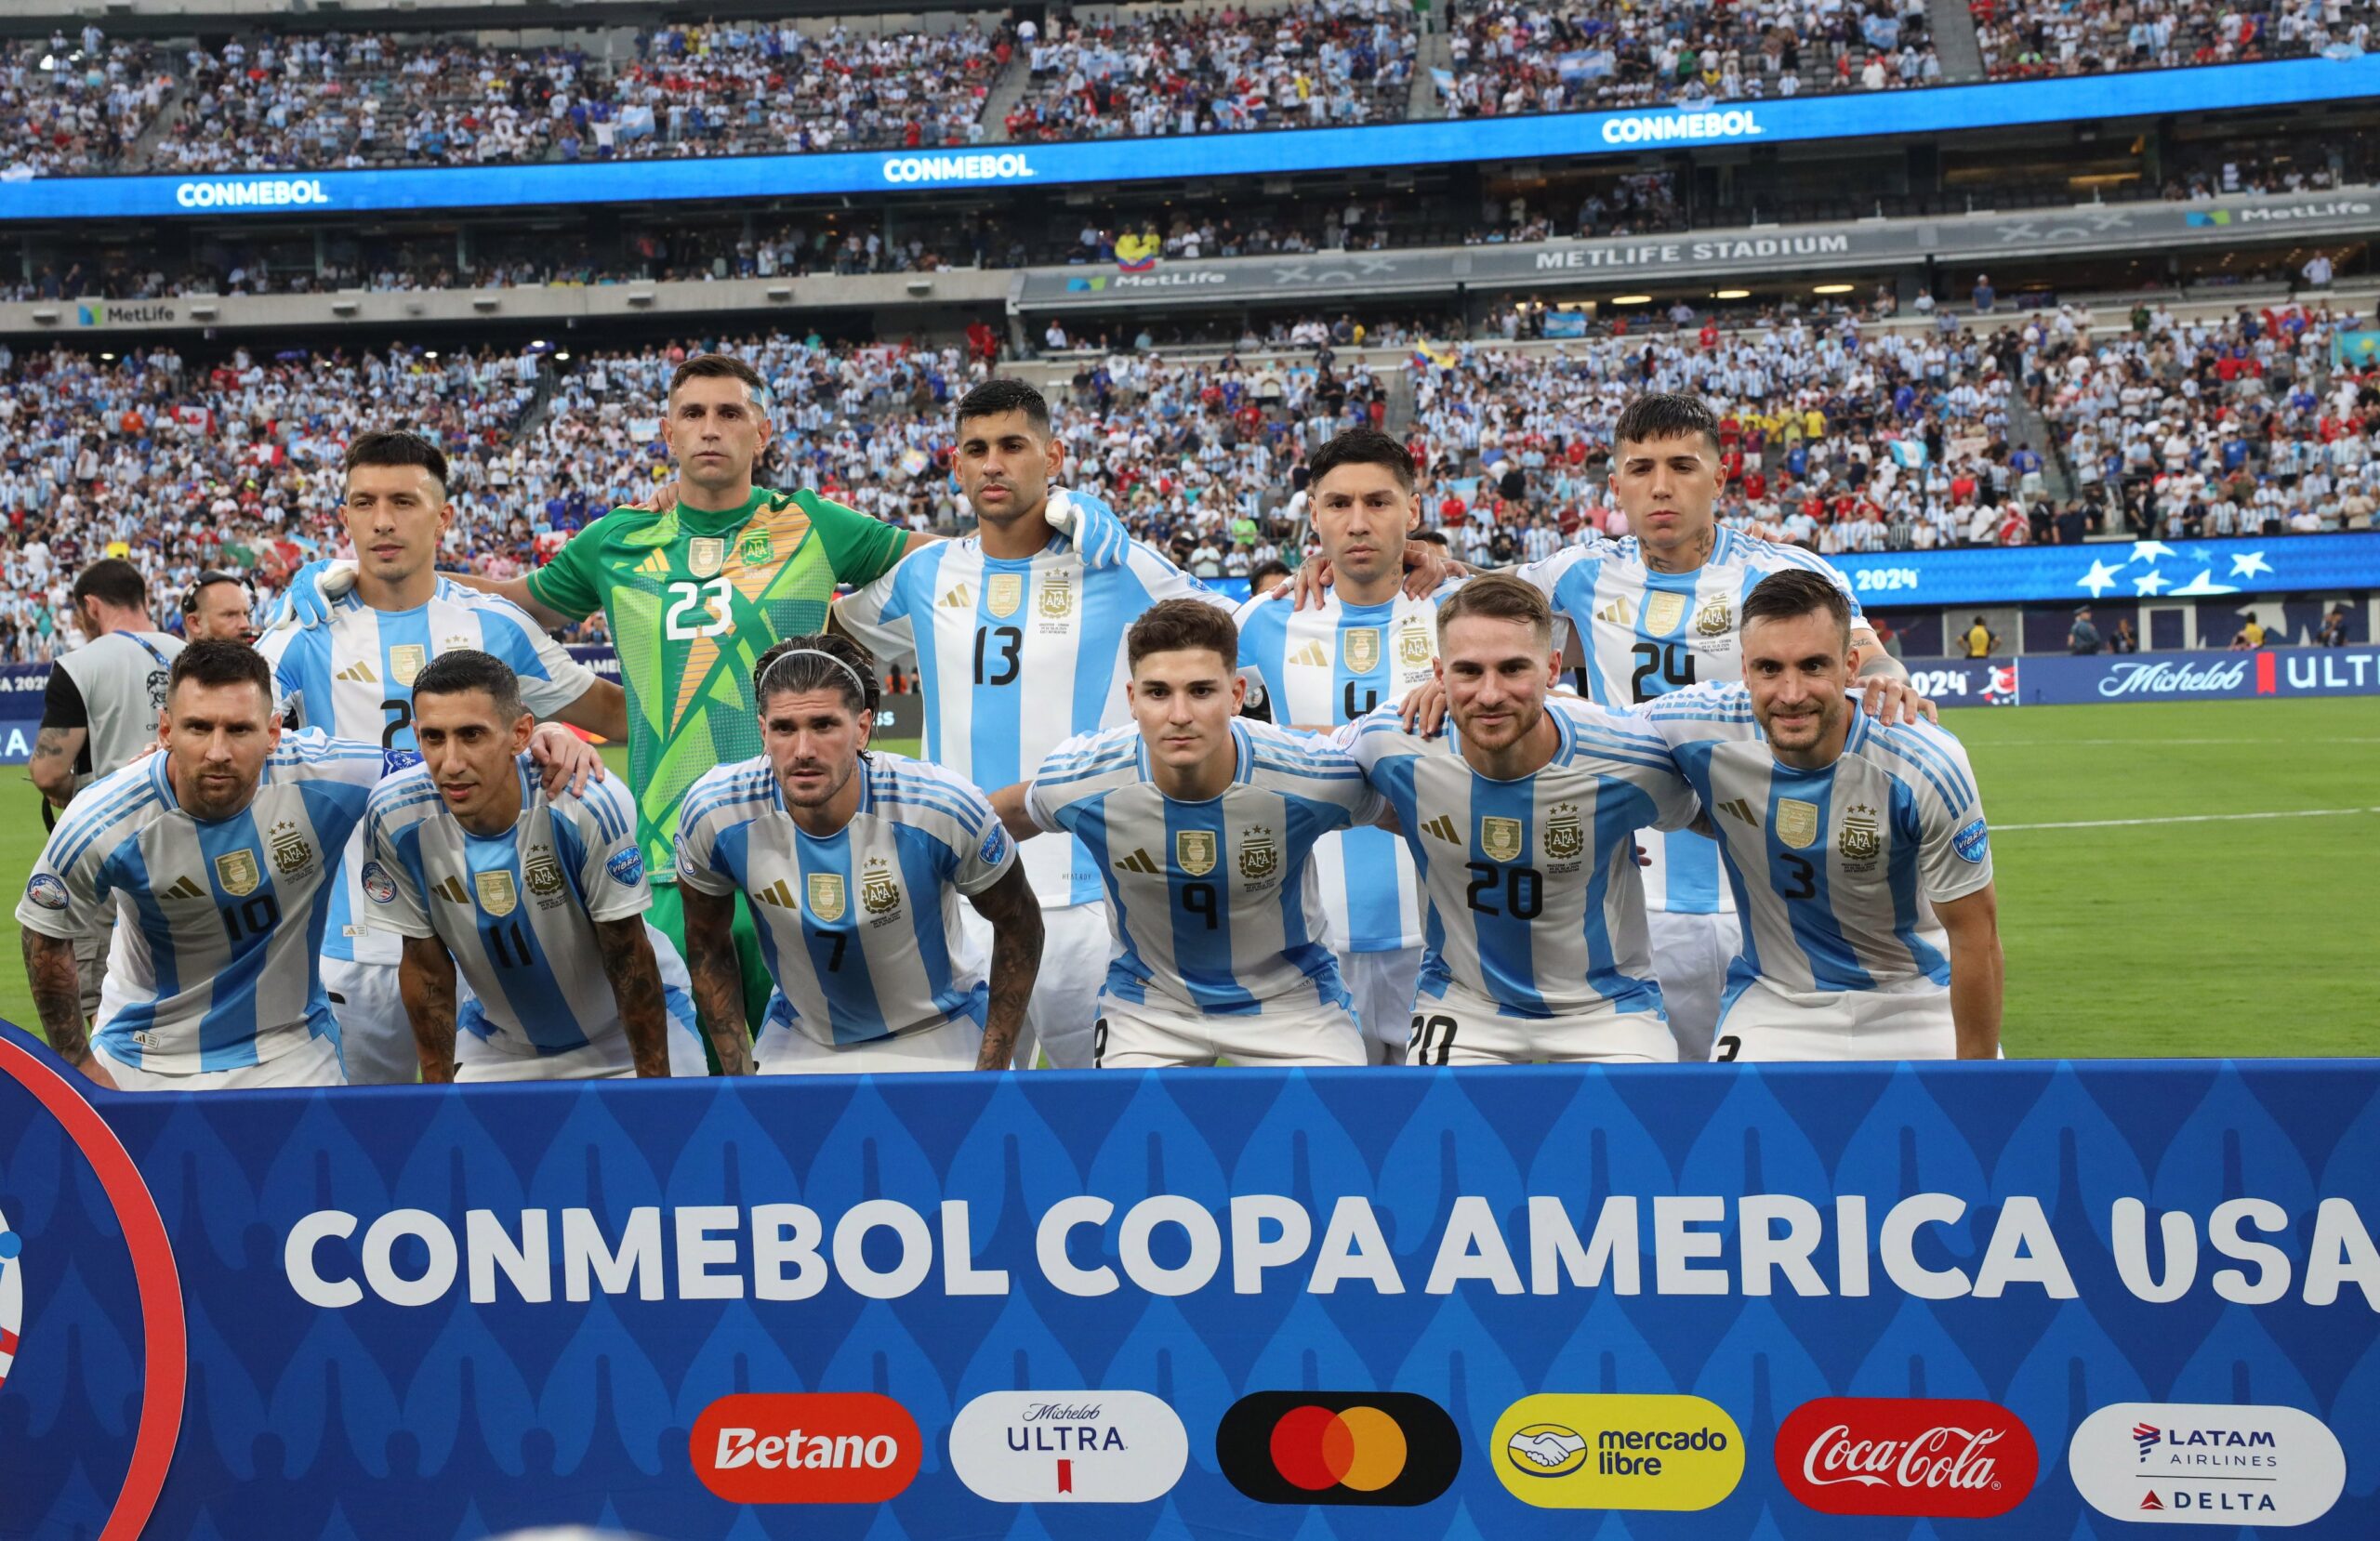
[
  {"x": 1368, "y": 644},
  {"x": 1206, "y": 827},
  {"x": 1857, "y": 850},
  {"x": 538, "y": 900},
  {"x": 855, "y": 863},
  {"x": 354, "y": 677},
  {"x": 1020, "y": 646},
  {"x": 1523, "y": 830}
]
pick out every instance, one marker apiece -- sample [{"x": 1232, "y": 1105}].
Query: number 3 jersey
[
  {"x": 1534, "y": 901},
  {"x": 1837, "y": 871},
  {"x": 861, "y": 927},
  {"x": 219, "y": 923},
  {"x": 1644, "y": 634},
  {"x": 516, "y": 911},
  {"x": 352, "y": 676},
  {"x": 1213, "y": 905}
]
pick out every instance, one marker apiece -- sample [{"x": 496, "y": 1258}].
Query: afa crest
[
  {"x": 542, "y": 872},
  {"x": 1056, "y": 601},
  {"x": 1260, "y": 858},
  {"x": 291, "y": 855},
  {"x": 880, "y": 890},
  {"x": 1717, "y": 618},
  {"x": 1565, "y": 838},
  {"x": 1413, "y": 645},
  {"x": 1863, "y": 839},
  {"x": 826, "y": 895},
  {"x": 1194, "y": 851},
  {"x": 759, "y": 549},
  {"x": 1500, "y": 838}
]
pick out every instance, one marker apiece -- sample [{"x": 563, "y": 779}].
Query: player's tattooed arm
[
  {"x": 52, "y": 765},
  {"x": 635, "y": 974},
  {"x": 1008, "y": 803},
  {"x": 426, "y": 983},
  {"x": 718, "y": 987},
  {"x": 58, "y": 999},
  {"x": 1016, "y": 915}
]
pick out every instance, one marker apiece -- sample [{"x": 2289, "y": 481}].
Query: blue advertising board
[
  {"x": 1650, "y": 1303},
  {"x": 2055, "y": 679},
  {"x": 2138, "y": 570},
  {"x": 1940, "y": 110}
]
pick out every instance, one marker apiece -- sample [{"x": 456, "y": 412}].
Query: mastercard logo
[{"x": 1339, "y": 1447}]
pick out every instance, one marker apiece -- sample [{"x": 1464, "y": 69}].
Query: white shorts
[
  {"x": 1136, "y": 1035},
  {"x": 1075, "y": 949},
  {"x": 608, "y": 1058},
  {"x": 1383, "y": 985},
  {"x": 1462, "y": 1029},
  {"x": 311, "y": 1063},
  {"x": 789, "y": 1051},
  {"x": 1690, "y": 957},
  {"x": 1904, "y": 1022},
  {"x": 375, "y": 1035}
]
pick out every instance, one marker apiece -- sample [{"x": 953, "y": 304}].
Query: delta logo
[
  {"x": 811, "y": 1447},
  {"x": 1934, "y": 1457},
  {"x": 2207, "y": 1464},
  {"x": 1339, "y": 1447},
  {"x": 1558, "y": 1450},
  {"x": 1068, "y": 1448}
]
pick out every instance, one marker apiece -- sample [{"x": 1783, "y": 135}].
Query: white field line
[{"x": 2189, "y": 819}]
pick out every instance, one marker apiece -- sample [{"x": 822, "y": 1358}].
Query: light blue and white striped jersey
[
  {"x": 1327, "y": 666},
  {"x": 860, "y": 928},
  {"x": 1644, "y": 634},
  {"x": 516, "y": 911},
  {"x": 1015, "y": 658},
  {"x": 1534, "y": 901},
  {"x": 219, "y": 924},
  {"x": 1214, "y": 905},
  {"x": 352, "y": 676},
  {"x": 1837, "y": 871}
]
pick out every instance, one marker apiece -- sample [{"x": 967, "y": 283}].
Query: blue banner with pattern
[
  {"x": 2148, "y": 570},
  {"x": 2040, "y": 1299}
]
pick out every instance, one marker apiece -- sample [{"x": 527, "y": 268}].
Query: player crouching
[{"x": 539, "y": 901}]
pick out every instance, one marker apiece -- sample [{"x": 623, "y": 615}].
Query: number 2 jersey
[
  {"x": 1534, "y": 901},
  {"x": 219, "y": 923},
  {"x": 1644, "y": 634},
  {"x": 352, "y": 676},
  {"x": 1837, "y": 871},
  {"x": 1213, "y": 905}
]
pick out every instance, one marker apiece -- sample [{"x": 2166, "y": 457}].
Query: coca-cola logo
[{"x": 1948, "y": 1459}]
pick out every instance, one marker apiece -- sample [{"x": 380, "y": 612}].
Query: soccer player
[
  {"x": 1523, "y": 830},
  {"x": 354, "y": 677},
  {"x": 1020, "y": 646},
  {"x": 855, "y": 863},
  {"x": 538, "y": 900},
  {"x": 1857, "y": 850},
  {"x": 1369, "y": 643},
  {"x": 1205, "y": 828}
]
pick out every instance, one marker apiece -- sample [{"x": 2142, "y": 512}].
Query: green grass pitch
[{"x": 2162, "y": 924}]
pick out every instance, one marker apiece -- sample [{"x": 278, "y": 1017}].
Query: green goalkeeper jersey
[{"x": 693, "y": 598}]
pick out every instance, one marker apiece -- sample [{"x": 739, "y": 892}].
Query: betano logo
[
  {"x": 809, "y": 1447},
  {"x": 1339, "y": 1447},
  {"x": 1068, "y": 1448},
  {"x": 2207, "y": 1464},
  {"x": 1562, "y": 1451}
]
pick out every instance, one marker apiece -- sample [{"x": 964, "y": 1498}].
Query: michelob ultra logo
[
  {"x": 1339, "y": 1447},
  {"x": 1068, "y": 1448},
  {"x": 1561, "y": 1450},
  {"x": 806, "y": 1447},
  {"x": 2181, "y": 1463}
]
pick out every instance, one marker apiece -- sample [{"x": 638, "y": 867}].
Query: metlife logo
[
  {"x": 1068, "y": 1448},
  {"x": 2178, "y": 1463}
]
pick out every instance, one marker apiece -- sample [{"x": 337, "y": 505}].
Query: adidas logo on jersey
[
  {"x": 359, "y": 673},
  {"x": 778, "y": 895},
  {"x": 451, "y": 890},
  {"x": 1740, "y": 808},
  {"x": 1138, "y": 861},
  {"x": 1442, "y": 828},
  {"x": 183, "y": 889},
  {"x": 959, "y": 597},
  {"x": 655, "y": 565},
  {"x": 1311, "y": 656}
]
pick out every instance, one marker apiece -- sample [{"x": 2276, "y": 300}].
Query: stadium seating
[
  {"x": 2023, "y": 40},
  {"x": 73, "y": 106}
]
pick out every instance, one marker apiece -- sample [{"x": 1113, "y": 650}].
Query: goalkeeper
[{"x": 696, "y": 591}]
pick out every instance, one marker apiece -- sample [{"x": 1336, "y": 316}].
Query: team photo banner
[
  {"x": 2037, "y": 1298},
  {"x": 1939, "y": 110}
]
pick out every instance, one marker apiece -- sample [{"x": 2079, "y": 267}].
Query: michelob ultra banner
[{"x": 2026, "y": 1299}]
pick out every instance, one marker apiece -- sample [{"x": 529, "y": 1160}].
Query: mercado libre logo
[
  {"x": 1557, "y": 1451},
  {"x": 1339, "y": 1447}
]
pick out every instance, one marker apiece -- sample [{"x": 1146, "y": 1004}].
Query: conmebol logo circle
[
  {"x": 2185, "y": 1463},
  {"x": 1938, "y": 1457}
]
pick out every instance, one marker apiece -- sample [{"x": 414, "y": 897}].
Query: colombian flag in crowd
[{"x": 1136, "y": 253}]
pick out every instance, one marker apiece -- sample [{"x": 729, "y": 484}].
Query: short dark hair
[
  {"x": 470, "y": 669},
  {"x": 1793, "y": 593},
  {"x": 396, "y": 447},
  {"x": 719, "y": 367},
  {"x": 207, "y": 579},
  {"x": 1180, "y": 625},
  {"x": 1362, "y": 447},
  {"x": 113, "y": 580},
  {"x": 847, "y": 667},
  {"x": 1498, "y": 597},
  {"x": 221, "y": 662},
  {"x": 1271, "y": 567},
  {"x": 995, "y": 397},
  {"x": 1665, "y": 414}
]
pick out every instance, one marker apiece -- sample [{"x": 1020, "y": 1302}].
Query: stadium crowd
[
  {"x": 73, "y": 106},
  {"x": 2035, "y": 39}
]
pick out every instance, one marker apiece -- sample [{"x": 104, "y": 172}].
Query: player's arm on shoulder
[
  {"x": 859, "y": 549},
  {"x": 522, "y": 593},
  {"x": 1012, "y": 805},
  {"x": 1015, "y": 915},
  {"x": 635, "y": 976},
  {"x": 710, "y": 963},
  {"x": 879, "y": 615},
  {"x": 65, "y": 728},
  {"x": 601, "y": 710},
  {"x": 426, "y": 983},
  {"x": 1978, "y": 971}
]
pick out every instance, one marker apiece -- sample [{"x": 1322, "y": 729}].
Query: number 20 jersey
[
  {"x": 1644, "y": 634},
  {"x": 1534, "y": 901}
]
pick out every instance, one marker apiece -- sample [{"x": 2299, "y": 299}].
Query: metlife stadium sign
[{"x": 1851, "y": 115}]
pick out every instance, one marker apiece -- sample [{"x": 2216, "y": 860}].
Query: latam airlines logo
[
  {"x": 1068, "y": 1448},
  {"x": 1934, "y": 1457},
  {"x": 2207, "y": 1464},
  {"x": 264, "y": 192}
]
